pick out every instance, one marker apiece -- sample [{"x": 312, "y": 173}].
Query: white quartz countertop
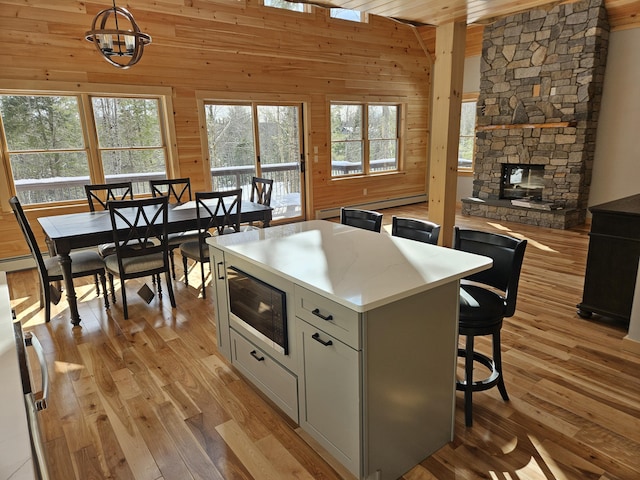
[{"x": 357, "y": 268}]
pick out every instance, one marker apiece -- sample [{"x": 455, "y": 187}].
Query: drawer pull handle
[
  {"x": 316, "y": 337},
  {"x": 317, "y": 313},
  {"x": 255, "y": 355}
]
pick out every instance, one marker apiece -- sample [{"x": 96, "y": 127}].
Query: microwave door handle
[{"x": 40, "y": 398}]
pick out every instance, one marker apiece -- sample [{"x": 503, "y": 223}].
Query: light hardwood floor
[{"x": 151, "y": 398}]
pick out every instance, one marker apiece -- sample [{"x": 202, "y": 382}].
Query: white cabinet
[{"x": 330, "y": 394}]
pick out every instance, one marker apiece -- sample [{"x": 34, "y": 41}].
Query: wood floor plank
[
  {"x": 151, "y": 398},
  {"x": 246, "y": 450},
  {"x": 199, "y": 463},
  {"x": 158, "y": 440}
]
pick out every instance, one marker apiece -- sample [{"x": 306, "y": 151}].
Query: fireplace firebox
[{"x": 522, "y": 181}]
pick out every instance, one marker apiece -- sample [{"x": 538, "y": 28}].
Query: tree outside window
[
  {"x": 296, "y": 7},
  {"x": 129, "y": 136},
  {"x": 467, "y": 141},
  {"x": 51, "y": 150},
  {"x": 364, "y": 138}
]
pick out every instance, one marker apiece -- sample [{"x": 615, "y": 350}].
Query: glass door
[{"x": 264, "y": 140}]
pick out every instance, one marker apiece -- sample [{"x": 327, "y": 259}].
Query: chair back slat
[
  {"x": 366, "y": 219},
  {"x": 178, "y": 190},
  {"x": 507, "y": 254},
  {"x": 211, "y": 205},
  {"x": 23, "y": 222},
  {"x": 100, "y": 194},
  {"x": 414, "y": 229},
  {"x": 261, "y": 190},
  {"x": 144, "y": 223}
]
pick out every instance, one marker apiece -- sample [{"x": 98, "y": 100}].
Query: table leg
[{"x": 65, "y": 263}]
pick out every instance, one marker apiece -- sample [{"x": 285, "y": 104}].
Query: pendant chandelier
[{"x": 117, "y": 37}]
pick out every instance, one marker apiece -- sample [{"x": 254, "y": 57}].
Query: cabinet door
[
  {"x": 219, "y": 274},
  {"x": 331, "y": 393}
]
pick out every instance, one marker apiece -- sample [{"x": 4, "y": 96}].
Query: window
[
  {"x": 467, "y": 141},
  {"x": 296, "y": 7},
  {"x": 53, "y": 151},
  {"x": 257, "y": 139},
  {"x": 129, "y": 137},
  {"x": 345, "y": 14},
  {"x": 364, "y": 138}
]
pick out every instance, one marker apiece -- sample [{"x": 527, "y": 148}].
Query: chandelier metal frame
[{"x": 121, "y": 47}]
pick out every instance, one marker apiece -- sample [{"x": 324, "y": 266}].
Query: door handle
[{"x": 41, "y": 397}]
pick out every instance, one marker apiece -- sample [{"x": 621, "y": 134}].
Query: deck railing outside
[
  {"x": 286, "y": 184},
  {"x": 339, "y": 168}
]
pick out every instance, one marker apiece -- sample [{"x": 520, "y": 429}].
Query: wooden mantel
[{"x": 526, "y": 125}]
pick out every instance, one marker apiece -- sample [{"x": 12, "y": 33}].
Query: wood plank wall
[{"x": 242, "y": 47}]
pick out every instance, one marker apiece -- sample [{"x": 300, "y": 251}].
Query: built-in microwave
[{"x": 260, "y": 308}]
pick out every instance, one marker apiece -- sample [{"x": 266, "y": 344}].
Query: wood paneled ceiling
[{"x": 622, "y": 13}]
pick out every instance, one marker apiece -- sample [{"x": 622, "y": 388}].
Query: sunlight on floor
[
  {"x": 539, "y": 466},
  {"x": 66, "y": 367},
  {"x": 530, "y": 241}
]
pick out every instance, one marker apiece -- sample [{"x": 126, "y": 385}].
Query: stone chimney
[{"x": 541, "y": 81}]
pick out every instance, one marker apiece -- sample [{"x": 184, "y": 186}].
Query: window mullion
[
  {"x": 365, "y": 139},
  {"x": 96, "y": 172},
  {"x": 256, "y": 139},
  {"x": 7, "y": 188}
]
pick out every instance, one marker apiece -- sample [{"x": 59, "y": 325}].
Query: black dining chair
[
  {"x": 84, "y": 263},
  {"x": 414, "y": 229},
  {"x": 486, "y": 299},
  {"x": 218, "y": 213},
  {"x": 98, "y": 197},
  {"x": 142, "y": 248},
  {"x": 178, "y": 190},
  {"x": 365, "y": 219},
  {"x": 261, "y": 189}
]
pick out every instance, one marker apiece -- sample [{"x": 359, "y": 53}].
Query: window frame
[
  {"x": 84, "y": 94},
  {"x": 366, "y": 142},
  {"x": 306, "y": 8},
  {"x": 468, "y": 98},
  {"x": 363, "y": 17}
]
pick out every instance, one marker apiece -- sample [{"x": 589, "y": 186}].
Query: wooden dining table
[{"x": 90, "y": 229}]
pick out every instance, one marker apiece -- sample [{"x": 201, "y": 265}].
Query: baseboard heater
[{"x": 392, "y": 202}]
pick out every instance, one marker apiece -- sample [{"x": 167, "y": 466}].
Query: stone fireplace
[
  {"x": 540, "y": 89},
  {"x": 522, "y": 181}
]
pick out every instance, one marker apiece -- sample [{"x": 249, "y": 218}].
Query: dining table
[{"x": 68, "y": 232}]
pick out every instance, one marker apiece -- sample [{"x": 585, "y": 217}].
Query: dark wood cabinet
[{"x": 612, "y": 261}]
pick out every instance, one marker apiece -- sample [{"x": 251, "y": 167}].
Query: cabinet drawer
[
  {"x": 330, "y": 317},
  {"x": 278, "y": 383}
]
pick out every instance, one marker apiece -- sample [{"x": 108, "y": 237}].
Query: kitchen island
[{"x": 368, "y": 365}]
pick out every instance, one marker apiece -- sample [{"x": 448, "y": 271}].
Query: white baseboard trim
[
  {"x": 631, "y": 345},
  {"x": 393, "y": 202},
  {"x": 15, "y": 264}
]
